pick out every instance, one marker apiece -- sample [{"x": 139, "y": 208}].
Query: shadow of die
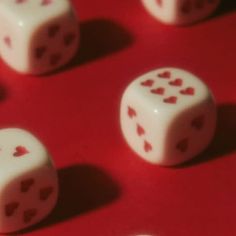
[{"x": 82, "y": 188}]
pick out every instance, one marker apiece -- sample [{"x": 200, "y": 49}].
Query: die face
[
  {"x": 31, "y": 13},
  {"x": 53, "y": 44},
  {"x": 190, "y": 133},
  {"x": 169, "y": 90},
  {"x": 28, "y": 199},
  {"x": 20, "y": 151},
  {"x": 190, "y": 11},
  {"x": 25, "y": 33},
  {"x": 29, "y": 185},
  {"x": 13, "y": 43},
  {"x": 138, "y": 125},
  {"x": 150, "y": 111},
  {"x": 180, "y": 12}
]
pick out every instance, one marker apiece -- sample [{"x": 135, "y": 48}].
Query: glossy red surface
[{"x": 105, "y": 188}]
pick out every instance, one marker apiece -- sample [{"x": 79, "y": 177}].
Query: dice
[
  {"x": 167, "y": 116},
  {"x": 180, "y": 12},
  {"x": 29, "y": 185},
  {"x": 37, "y": 36}
]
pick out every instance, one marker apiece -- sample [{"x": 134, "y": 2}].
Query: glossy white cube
[
  {"x": 167, "y": 116},
  {"x": 180, "y": 12},
  {"x": 28, "y": 180},
  {"x": 37, "y": 36}
]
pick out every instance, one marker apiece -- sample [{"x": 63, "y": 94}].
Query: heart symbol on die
[
  {"x": 147, "y": 83},
  {"x": 11, "y": 208},
  {"x": 188, "y": 91},
  {"x": 40, "y": 51},
  {"x": 159, "y": 91},
  {"x": 7, "y": 41},
  {"x": 171, "y": 100},
  {"x": 147, "y": 146},
  {"x": 131, "y": 112},
  {"x": 26, "y": 185},
  {"x": 198, "y": 122},
  {"x": 182, "y": 145},
  {"x": 44, "y": 193},
  {"x": 21, "y": 1},
  {"x": 165, "y": 75},
  {"x": 140, "y": 130},
  {"x": 53, "y": 30},
  {"x": 69, "y": 39},
  {"x": 159, "y": 2},
  {"x": 177, "y": 82},
  {"x": 20, "y": 151},
  {"x": 29, "y": 215},
  {"x": 46, "y": 2}
]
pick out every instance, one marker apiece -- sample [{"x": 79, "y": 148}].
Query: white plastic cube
[
  {"x": 167, "y": 116},
  {"x": 180, "y": 12},
  {"x": 37, "y": 36},
  {"x": 28, "y": 180}
]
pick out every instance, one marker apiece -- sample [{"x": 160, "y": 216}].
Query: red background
[{"x": 105, "y": 188}]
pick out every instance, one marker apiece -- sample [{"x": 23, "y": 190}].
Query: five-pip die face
[{"x": 167, "y": 116}]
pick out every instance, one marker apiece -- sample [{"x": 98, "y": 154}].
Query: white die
[
  {"x": 180, "y": 12},
  {"x": 167, "y": 116},
  {"x": 37, "y": 36},
  {"x": 28, "y": 183}
]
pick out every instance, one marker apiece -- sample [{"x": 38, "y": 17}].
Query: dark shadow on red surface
[
  {"x": 226, "y": 6},
  {"x": 100, "y": 38},
  {"x": 83, "y": 188},
  {"x": 3, "y": 93},
  {"x": 224, "y": 141}
]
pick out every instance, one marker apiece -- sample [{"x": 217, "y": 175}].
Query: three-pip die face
[
  {"x": 28, "y": 180},
  {"x": 167, "y": 116},
  {"x": 180, "y": 12},
  {"x": 37, "y": 36}
]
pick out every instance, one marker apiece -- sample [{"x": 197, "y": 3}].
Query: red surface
[{"x": 105, "y": 188}]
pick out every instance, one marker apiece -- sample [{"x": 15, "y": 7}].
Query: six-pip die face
[
  {"x": 28, "y": 183},
  {"x": 167, "y": 116},
  {"x": 180, "y": 12}
]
